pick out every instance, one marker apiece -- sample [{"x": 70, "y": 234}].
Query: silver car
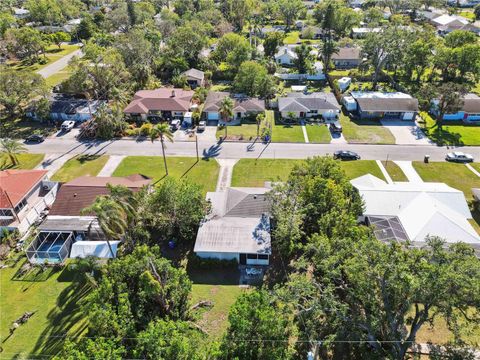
[{"x": 459, "y": 157}]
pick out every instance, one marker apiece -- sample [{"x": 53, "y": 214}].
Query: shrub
[
  {"x": 145, "y": 129},
  {"x": 197, "y": 262}
]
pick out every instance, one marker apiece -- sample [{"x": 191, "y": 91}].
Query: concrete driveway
[
  {"x": 406, "y": 132},
  {"x": 59, "y": 65}
]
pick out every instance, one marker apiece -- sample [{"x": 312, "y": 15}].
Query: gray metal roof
[{"x": 307, "y": 102}]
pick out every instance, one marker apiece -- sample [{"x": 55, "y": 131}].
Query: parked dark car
[
  {"x": 336, "y": 127},
  {"x": 346, "y": 155},
  {"x": 35, "y": 139}
]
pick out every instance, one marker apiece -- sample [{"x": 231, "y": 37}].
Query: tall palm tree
[
  {"x": 162, "y": 131},
  {"x": 226, "y": 111},
  {"x": 11, "y": 148},
  {"x": 111, "y": 217}
]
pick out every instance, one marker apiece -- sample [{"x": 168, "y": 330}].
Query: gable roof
[
  {"x": 446, "y": 19},
  {"x": 163, "y": 99},
  {"x": 241, "y": 103},
  {"x": 422, "y": 208},
  {"x": 347, "y": 53},
  {"x": 76, "y": 195},
  {"x": 286, "y": 50},
  {"x": 194, "y": 73},
  {"x": 16, "y": 184},
  {"x": 384, "y": 101},
  {"x": 299, "y": 102}
]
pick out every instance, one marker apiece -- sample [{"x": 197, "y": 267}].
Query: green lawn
[
  {"x": 365, "y": 131},
  {"x": 287, "y": 133},
  {"x": 394, "y": 171},
  {"x": 81, "y": 165},
  {"x": 56, "y": 297},
  {"x": 251, "y": 172},
  {"x": 292, "y": 38},
  {"x": 20, "y": 129},
  {"x": 318, "y": 134},
  {"x": 26, "y": 161},
  {"x": 204, "y": 172},
  {"x": 52, "y": 54},
  {"x": 58, "y": 78},
  {"x": 476, "y": 166},
  {"x": 240, "y": 132},
  {"x": 454, "y": 134},
  {"x": 457, "y": 176},
  {"x": 220, "y": 287}
]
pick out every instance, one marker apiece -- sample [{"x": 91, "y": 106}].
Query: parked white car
[
  {"x": 459, "y": 157},
  {"x": 67, "y": 126},
  {"x": 201, "y": 126},
  {"x": 175, "y": 124}
]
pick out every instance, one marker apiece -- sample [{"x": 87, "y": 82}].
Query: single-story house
[
  {"x": 470, "y": 112},
  {"x": 238, "y": 227},
  {"x": 447, "y": 23},
  {"x": 65, "y": 107},
  {"x": 24, "y": 195},
  {"x": 309, "y": 105},
  {"x": 362, "y": 32},
  {"x": 286, "y": 55},
  {"x": 194, "y": 77},
  {"x": 67, "y": 232},
  {"x": 243, "y": 105},
  {"x": 166, "y": 103},
  {"x": 411, "y": 211},
  {"x": 347, "y": 58},
  {"x": 381, "y": 105}
]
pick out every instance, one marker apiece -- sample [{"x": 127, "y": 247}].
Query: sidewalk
[
  {"x": 384, "y": 172},
  {"x": 225, "y": 173},
  {"x": 112, "y": 163},
  {"x": 53, "y": 162},
  {"x": 409, "y": 171}
]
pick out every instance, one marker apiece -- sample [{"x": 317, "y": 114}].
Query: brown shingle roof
[
  {"x": 241, "y": 104},
  {"x": 388, "y": 104},
  {"x": 164, "y": 99},
  {"x": 76, "y": 195},
  {"x": 17, "y": 184},
  {"x": 347, "y": 53}
]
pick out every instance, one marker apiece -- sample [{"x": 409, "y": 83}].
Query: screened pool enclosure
[{"x": 51, "y": 247}]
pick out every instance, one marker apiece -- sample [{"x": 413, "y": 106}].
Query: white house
[
  {"x": 285, "y": 56},
  {"x": 411, "y": 211},
  {"x": 238, "y": 227},
  {"x": 302, "y": 105}
]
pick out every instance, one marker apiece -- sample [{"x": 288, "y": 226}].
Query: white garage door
[{"x": 213, "y": 116}]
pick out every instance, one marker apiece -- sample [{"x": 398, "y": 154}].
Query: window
[
  {"x": 6, "y": 212},
  {"x": 252, "y": 256},
  {"x": 20, "y": 205},
  {"x": 262, "y": 257}
]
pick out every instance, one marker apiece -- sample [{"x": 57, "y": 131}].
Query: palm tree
[
  {"x": 163, "y": 132},
  {"x": 11, "y": 148},
  {"x": 226, "y": 111},
  {"x": 111, "y": 217},
  {"x": 259, "y": 119}
]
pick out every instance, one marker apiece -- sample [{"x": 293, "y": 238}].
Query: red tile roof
[
  {"x": 16, "y": 184},
  {"x": 76, "y": 195},
  {"x": 164, "y": 99}
]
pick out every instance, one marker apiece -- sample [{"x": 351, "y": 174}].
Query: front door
[{"x": 243, "y": 259}]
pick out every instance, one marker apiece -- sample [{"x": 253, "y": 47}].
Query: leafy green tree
[
  {"x": 136, "y": 290},
  {"x": 304, "y": 60},
  {"x": 46, "y": 12},
  {"x": 258, "y": 316},
  {"x": 25, "y": 43},
  {"x": 272, "y": 42},
  {"x": 458, "y": 38},
  {"x": 253, "y": 79},
  {"x": 162, "y": 132},
  {"x": 187, "y": 42},
  {"x": 144, "y": 12},
  {"x": 166, "y": 339},
  {"x": 87, "y": 349},
  {"x": 237, "y": 11},
  {"x": 60, "y": 37},
  {"x": 476, "y": 11},
  {"x": 234, "y": 49},
  {"x": 87, "y": 28},
  {"x": 290, "y": 10},
  {"x": 226, "y": 111},
  {"x": 11, "y": 148},
  {"x": 17, "y": 88},
  {"x": 6, "y": 22}
]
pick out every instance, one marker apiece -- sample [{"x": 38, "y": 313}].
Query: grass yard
[
  {"x": 53, "y": 53},
  {"x": 81, "y": 165},
  {"x": 287, "y": 133},
  {"x": 454, "y": 134},
  {"x": 26, "y": 161},
  {"x": 58, "y": 78},
  {"x": 292, "y": 38},
  {"x": 457, "y": 176},
  {"x": 252, "y": 173},
  {"x": 221, "y": 287},
  {"x": 240, "y": 132},
  {"x": 318, "y": 134},
  {"x": 476, "y": 166},
  {"x": 20, "y": 129},
  {"x": 203, "y": 173},
  {"x": 56, "y": 297},
  {"x": 365, "y": 131},
  {"x": 394, "y": 171}
]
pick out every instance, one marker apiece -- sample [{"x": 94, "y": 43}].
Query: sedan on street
[
  {"x": 34, "y": 139},
  {"x": 346, "y": 155},
  {"x": 459, "y": 157}
]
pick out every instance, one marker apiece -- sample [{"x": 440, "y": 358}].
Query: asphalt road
[
  {"x": 234, "y": 150},
  {"x": 59, "y": 65}
]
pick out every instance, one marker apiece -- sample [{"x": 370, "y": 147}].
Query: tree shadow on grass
[
  {"x": 443, "y": 137},
  {"x": 86, "y": 158},
  {"x": 68, "y": 317}
]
